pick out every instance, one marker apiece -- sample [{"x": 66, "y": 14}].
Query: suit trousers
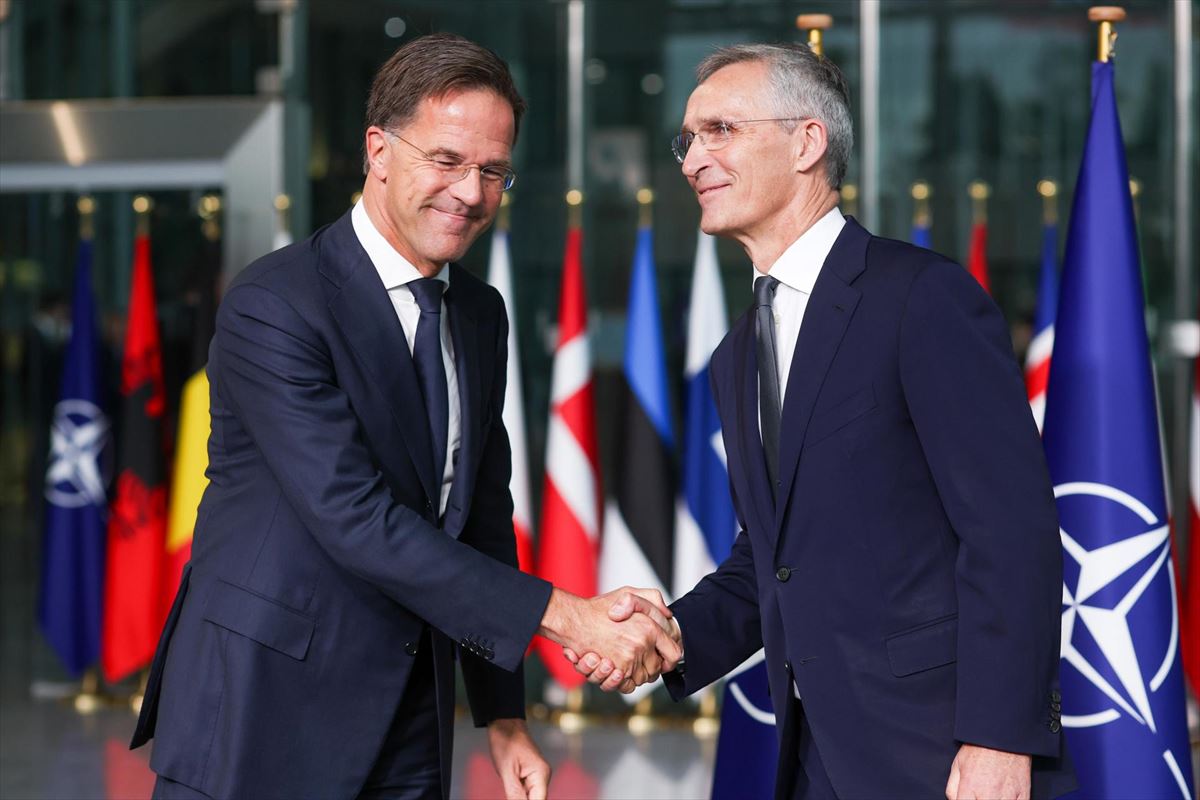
[
  {"x": 804, "y": 769},
  {"x": 408, "y": 765}
]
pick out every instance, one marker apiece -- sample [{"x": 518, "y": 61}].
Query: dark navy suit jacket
[
  {"x": 907, "y": 573},
  {"x": 318, "y": 558}
]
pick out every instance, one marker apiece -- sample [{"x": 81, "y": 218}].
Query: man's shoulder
[{"x": 473, "y": 292}]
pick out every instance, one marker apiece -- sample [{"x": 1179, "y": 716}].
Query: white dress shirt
[
  {"x": 395, "y": 271},
  {"x": 797, "y": 270}
]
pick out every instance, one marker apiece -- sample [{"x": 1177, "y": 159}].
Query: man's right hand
[
  {"x": 629, "y": 602},
  {"x": 637, "y": 649}
]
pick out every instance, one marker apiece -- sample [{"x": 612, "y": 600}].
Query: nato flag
[
  {"x": 1122, "y": 688},
  {"x": 76, "y": 491}
]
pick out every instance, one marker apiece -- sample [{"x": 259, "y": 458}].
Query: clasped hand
[{"x": 647, "y": 641}]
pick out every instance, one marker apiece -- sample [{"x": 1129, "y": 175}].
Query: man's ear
[
  {"x": 378, "y": 152},
  {"x": 811, "y": 142}
]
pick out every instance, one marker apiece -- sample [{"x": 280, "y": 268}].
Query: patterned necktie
[
  {"x": 768, "y": 374},
  {"x": 431, "y": 370}
]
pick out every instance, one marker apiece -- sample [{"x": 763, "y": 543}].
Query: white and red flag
[
  {"x": 1037, "y": 359},
  {"x": 568, "y": 547},
  {"x": 1191, "y": 611},
  {"x": 500, "y": 277}
]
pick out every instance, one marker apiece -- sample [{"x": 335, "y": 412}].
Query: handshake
[{"x": 619, "y": 640}]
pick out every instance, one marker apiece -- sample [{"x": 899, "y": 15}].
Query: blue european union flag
[
  {"x": 1122, "y": 687},
  {"x": 76, "y": 487}
]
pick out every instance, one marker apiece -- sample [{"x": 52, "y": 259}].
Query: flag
[
  {"x": 188, "y": 480},
  {"x": 706, "y": 525},
  {"x": 639, "y": 522},
  {"x": 569, "y": 545},
  {"x": 500, "y": 277},
  {"x": 1191, "y": 616},
  {"x": 1122, "y": 687},
  {"x": 747, "y": 750},
  {"x": 133, "y": 608},
  {"x": 1037, "y": 358},
  {"x": 71, "y": 590},
  {"x": 922, "y": 235},
  {"x": 639, "y": 525},
  {"x": 977, "y": 261}
]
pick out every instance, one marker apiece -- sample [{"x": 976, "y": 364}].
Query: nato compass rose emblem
[
  {"x": 79, "y": 470},
  {"x": 1109, "y": 635}
]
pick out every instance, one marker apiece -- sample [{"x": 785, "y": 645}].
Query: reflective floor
[{"x": 47, "y": 750}]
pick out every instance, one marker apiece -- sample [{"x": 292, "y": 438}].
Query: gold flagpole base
[
  {"x": 706, "y": 725},
  {"x": 89, "y": 699},
  {"x": 572, "y": 719},
  {"x": 642, "y": 721},
  {"x": 135, "y": 700}
]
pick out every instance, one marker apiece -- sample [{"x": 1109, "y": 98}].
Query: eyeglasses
[
  {"x": 715, "y": 135},
  {"x": 494, "y": 176}
]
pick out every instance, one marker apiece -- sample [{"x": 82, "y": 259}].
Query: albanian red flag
[{"x": 137, "y": 527}]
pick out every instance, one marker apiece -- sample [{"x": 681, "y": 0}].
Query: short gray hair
[{"x": 802, "y": 85}]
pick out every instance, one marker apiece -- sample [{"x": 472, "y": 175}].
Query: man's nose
[
  {"x": 696, "y": 159},
  {"x": 469, "y": 189}
]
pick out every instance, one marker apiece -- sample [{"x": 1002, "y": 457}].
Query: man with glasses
[
  {"x": 899, "y": 555},
  {"x": 356, "y": 534}
]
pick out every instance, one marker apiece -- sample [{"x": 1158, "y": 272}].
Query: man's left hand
[
  {"x": 981, "y": 772},
  {"x": 524, "y": 772}
]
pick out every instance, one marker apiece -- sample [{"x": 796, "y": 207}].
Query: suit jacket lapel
[
  {"x": 825, "y": 321},
  {"x": 754, "y": 464},
  {"x": 367, "y": 318},
  {"x": 464, "y": 333}
]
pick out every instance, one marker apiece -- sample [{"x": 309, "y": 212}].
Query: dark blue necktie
[
  {"x": 431, "y": 370},
  {"x": 768, "y": 373}
]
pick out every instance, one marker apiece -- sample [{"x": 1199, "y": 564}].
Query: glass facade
[{"x": 968, "y": 90}]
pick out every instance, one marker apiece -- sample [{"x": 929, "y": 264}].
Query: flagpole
[
  {"x": 645, "y": 198},
  {"x": 815, "y": 25},
  {"x": 142, "y": 206},
  {"x": 979, "y": 192},
  {"x": 1048, "y": 189},
  {"x": 849, "y": 201},
  {"x": 504, "y": 215},
  {"x": 1106, "y": 34},
  {"x": 922, "y": 218},
  {"x": 574, "y": 208},
  {"x": 87, "y": 211}
]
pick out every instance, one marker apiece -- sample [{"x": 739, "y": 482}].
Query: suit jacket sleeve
[
  {"x": 720, "y": 618},
  {"x": 966, "y": 397},
  {"x": 493, "y": 693},
  {"x": 278, "y": 377}
]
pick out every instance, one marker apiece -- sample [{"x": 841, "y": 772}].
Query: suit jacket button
[
  {"x": 1055, "y": 697},
  {"x": 410, "y": 648},
  {"x": 1055, "y": 726},
  {"x": 787, "y": 665},
  {"x": 783, "y": 573}
]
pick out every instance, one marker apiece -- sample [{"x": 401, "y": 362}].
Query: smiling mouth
[
  {"x": 708, "y": 190},
  {"x": 464, "y": 219}
]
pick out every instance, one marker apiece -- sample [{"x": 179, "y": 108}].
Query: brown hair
[{"x": 430, "y": 66}]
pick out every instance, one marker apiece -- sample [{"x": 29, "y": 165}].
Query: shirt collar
[
  {"x": 800, "y": 264},
  {"x": 394, "y": 269}
]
